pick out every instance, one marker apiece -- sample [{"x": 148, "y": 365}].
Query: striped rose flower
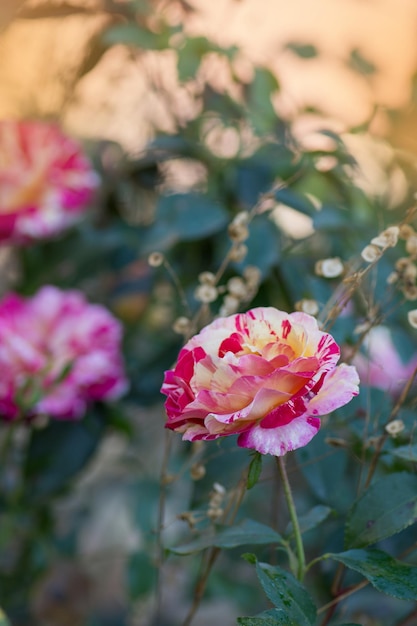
[
  {"x": 265, "y": 375},
  {"x": 46, "y": 181}
]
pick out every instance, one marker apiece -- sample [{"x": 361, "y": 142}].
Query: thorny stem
[
  {"x": 213, "y": 553},
  {"x": 293, "y": 515}
]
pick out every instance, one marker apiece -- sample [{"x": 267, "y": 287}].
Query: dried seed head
[
  {"x": 197, "y": 471},
  {"x": 218, "y": 488},
  {"x": 238, "y": 232},
  {"x": 388, "y": 238},
  {"x": 155, "y": 259},
  {"x": 189, "y": 517},
  {"x": 230, "y": 305},
  {"x": 410, "y": 292},
  {"x": 182, "y": 325},
  {"x": 412, "y": 318},
  {"x": 329, "y": 268},
  {"x": 371, "y": 253},
  {"x": 237, "y": 287},
  {"x": 238, "y": 252},
  {"x": 395, "y": 427},
  {"x": 402, "y": 263},
  {"x": 214, "y": 513},
  {"x": 207, "y": 278},
  {"x": 307, "y": 306},
  {"x": 406, "y": 231},
  {"x": 252, "y": 275},
  {"x": 392, "y": 278},
  {"x": 411, "y": 245},
  {"x": 206, "y": 293},
  {"x": 410, "y": 272},
  {"x": 241, "y": 218}
]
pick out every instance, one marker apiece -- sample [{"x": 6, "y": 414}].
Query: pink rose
[
  {"x": 57, "y": 354},
  {"x": 381, "y": 366},
  {"x": 264, "y": 375},
  {"x": 45, "y": 180}
]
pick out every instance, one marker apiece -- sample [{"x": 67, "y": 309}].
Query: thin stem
[
  {"x": 160, "y": 527},
  {"x": 293, "y": 515},
  {"x": 213, "y": 553}
]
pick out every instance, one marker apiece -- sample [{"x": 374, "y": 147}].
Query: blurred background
[{"x": 190, "y": 110}]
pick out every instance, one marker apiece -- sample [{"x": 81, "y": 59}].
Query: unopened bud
[{"x": 307, "y": 306}]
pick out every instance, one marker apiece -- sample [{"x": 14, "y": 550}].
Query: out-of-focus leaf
[
  {"x": 298, "y": 201},
  {"x": 273, "y": 617},
  {"x": 261, "y": 112},
  {"x": 263, "y": 244},
  {"x": 310, "y": 520},
  {"x": 386, "y": 574},
  {"x": 255, "y": 469},
  {"x": 58, "y": 452},
  {"x": 183, "y": 217},
  {"x": 387, "y": 507},
  {"x": 140, "y": 575},
  {"x": 407, "y": 453},
  {"x": 293, "y": 603},
  {"x": 360, "y": 64},
  {"x": 133, "y": 35},
  {"x": 246, "y": 532},
  {"x": 303, "y": 50},
  {"x": 191, "y": 53}
]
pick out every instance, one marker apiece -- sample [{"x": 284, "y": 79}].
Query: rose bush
[
  {"x": 265, "y": 375},
  {"x": 57, "y": 354},
  {"x": 380, "y": 365},
  {"x": 45, "y": 180}
]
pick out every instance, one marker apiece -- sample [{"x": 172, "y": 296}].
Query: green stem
[{"x": 294, "y": 519}]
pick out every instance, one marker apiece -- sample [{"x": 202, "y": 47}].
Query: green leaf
[
  {"x": 140, "y": 574},
  {"x": 184, "y": 217},
  {"x": 58, "y": 452},
  {"x": 303, "y": 50},
  {"x": 246, "y": 532},
  {"x": 255, "y": 469},
  {"x": 386, "y": 574},
  {"x": 134, "y": 35},
  {"x": 386, "y": 508},
  {"x": 295, "y": 200},
  {"x": 192, "y": 52},
  {"x": 360, "y": 64},
  {"x": 310, "y": 520},
  {"x": 261, "y": 111},
  {"x": 293, "y": 603},
  {"x": 407, "y": 453},
  {"x": 274, "y": 617},
  {"x": 264, "y": 245}
]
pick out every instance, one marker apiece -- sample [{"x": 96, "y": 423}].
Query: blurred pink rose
[
  {"x": 45, "y": 180},
  {"x": 57, "y": 353},
  {"x": 381, "y": 365},
  {"x": 264, "y": 375}
]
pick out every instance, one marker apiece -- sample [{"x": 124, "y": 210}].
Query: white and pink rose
[
  {"x": 46, "y": 181},
  {"x": 265, "y": 375},
  {"x": 58, "y": 353}
]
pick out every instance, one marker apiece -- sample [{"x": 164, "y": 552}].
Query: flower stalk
[{"x": 301, "y": 562}]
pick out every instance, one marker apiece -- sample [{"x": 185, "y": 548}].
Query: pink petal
[
  {"x": 278, "y": 441},
  {"x": 338, "y": 388}
]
